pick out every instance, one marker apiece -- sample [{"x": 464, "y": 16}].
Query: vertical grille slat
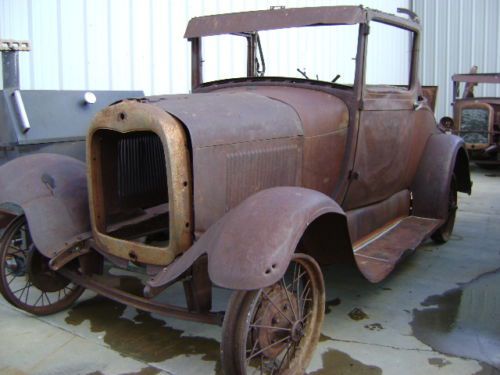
[
  {"x": 474, "y": 125},
  {"x": 141, "y": 169}
]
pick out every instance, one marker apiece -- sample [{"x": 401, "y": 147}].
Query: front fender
[
  {"x": 52, "y": 191},
  {"x": 444, "y": 155},
  {"x": 251, "y": 246}
]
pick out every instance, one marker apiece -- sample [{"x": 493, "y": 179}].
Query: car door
[{"x": 386, "y": 117}]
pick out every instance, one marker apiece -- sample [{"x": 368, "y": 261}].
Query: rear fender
[
  {"x": 52, "y": 191},
  {"x": 444, "y": 156},
  {"x": 251, "y": 246}
]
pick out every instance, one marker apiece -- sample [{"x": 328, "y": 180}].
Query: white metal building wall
[
  {"x": 120, "y": 44},
  {"x": 458, "y": 34}
]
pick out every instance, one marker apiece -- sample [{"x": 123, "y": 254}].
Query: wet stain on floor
[
  {"x": 145, "y": 337},
  {"x": 374, "y": 327},
  {"x": 438, "y": 362},
  {"x": 144, "y": 371},
  {"x": 149, "y": 370},
  {"x": 464, "y": 321},
  {"x": 336, "y": 362},
  {"x": 323, "y": 338},
  {"x": 331, "y": 303},
  {"x": 487, "y": 370},
  {"x": 357, "y": 314}
]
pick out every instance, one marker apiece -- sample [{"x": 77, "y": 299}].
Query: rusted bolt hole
[
  {"x": 122, "y": 116},
  {"x": 187, "y": 225},
  {"x": 185, "y": 183}
]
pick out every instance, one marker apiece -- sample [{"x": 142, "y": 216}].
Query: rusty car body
[
  {"x": 248, "y": 183},
  {"x": 477, "y": 118}
]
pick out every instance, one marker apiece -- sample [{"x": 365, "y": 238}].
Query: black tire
[
  {"x": 25, "y": 278},
  {"x": 443, "y": 233},
  {"x": 290, "y": 317}
]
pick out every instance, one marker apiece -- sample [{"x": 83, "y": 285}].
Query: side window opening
[{"x": 388, "y": 63}]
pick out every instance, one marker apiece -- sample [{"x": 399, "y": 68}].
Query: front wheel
[
  {"x": 275, "y": 330},
  {"x": 443, "y": 233},
  {"x": 26, "y": 281}
]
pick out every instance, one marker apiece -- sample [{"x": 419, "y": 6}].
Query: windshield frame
[
  {"x": 233, "y": 23},
  {"x": 255, "y": 61}
]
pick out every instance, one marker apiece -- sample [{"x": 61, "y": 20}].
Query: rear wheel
[
  {"x": 26, "y": 280},
  {"x": 275, "y": 330},
  {"x": 443, "y": 233}
]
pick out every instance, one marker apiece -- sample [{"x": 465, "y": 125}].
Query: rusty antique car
[
  {"x": 477, "y": 118},
  {"x": 248, "y": 183}
]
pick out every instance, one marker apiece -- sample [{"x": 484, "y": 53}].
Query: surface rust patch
[{"x": 340, "y": 363}]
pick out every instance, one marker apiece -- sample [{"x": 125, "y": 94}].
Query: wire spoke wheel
[
  {"x": 26, "y": 281},
  {"x": 275, "y": 330},
  {"x": 443, "y": 233}
]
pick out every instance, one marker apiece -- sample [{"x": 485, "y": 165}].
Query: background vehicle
[
  {"x": 477, "y": 118},
  {"x": 249, "y": 183}
]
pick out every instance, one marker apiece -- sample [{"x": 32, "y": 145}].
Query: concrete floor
[{"x": 433, "y": 296}]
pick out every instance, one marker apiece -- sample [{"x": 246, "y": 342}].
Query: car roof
[{"x": 271, "y": 19}]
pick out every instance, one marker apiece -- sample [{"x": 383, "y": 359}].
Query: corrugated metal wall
[
  {"x": 458, "y": 34},
  {"x": 121, "y": 44},
  {"x": 138, "y": 44}
]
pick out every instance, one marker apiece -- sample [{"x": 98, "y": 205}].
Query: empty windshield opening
[{"x": 320, "y": 53}]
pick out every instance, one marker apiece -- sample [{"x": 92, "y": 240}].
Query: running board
[{"x": 377, "y": 256}]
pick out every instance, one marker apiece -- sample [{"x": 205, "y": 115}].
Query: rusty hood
[{"x": 214, "y": 119}]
